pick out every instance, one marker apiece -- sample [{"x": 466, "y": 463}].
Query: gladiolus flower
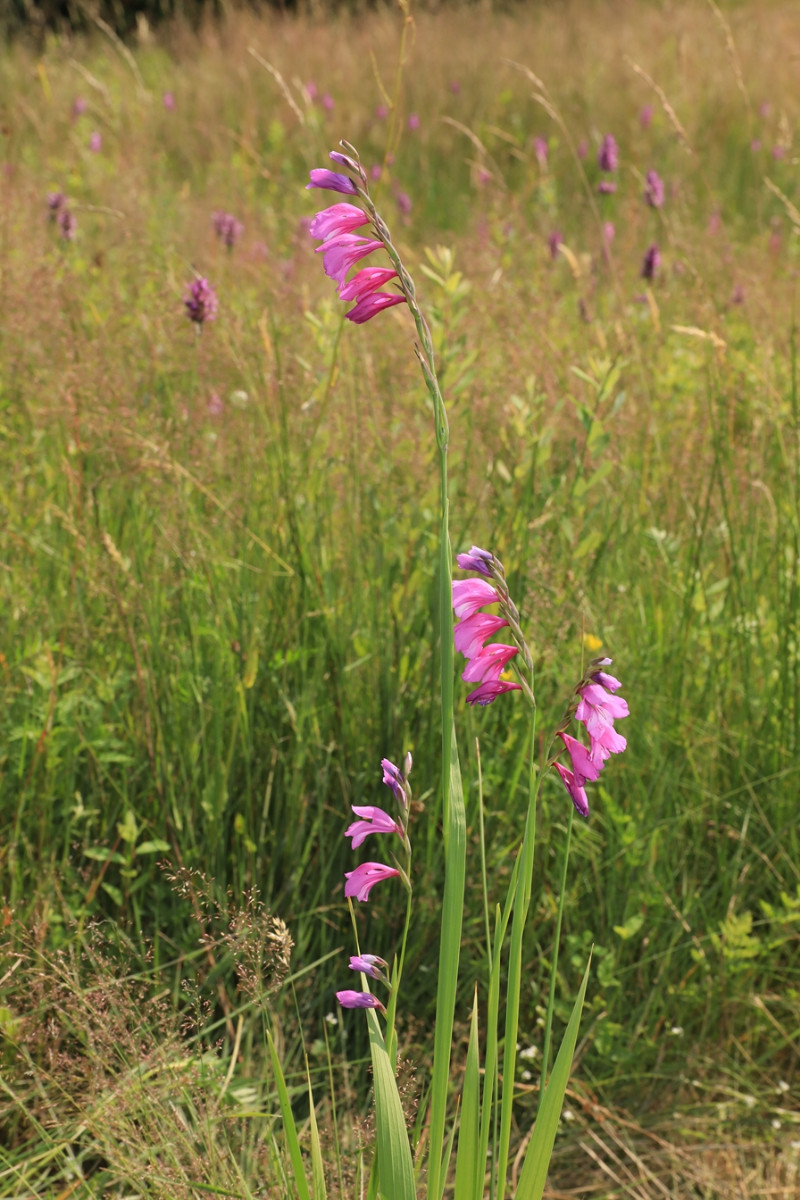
[
  {"x": 477, "y": 560},
  {"x": 336, "y": 220},
  {"x": 370, "y": 964},
  {"x": 471, "y": 594},
  {"x": 598, "y": 710},
  {"x": 393, "y": 778},
  {"x": 583, "y": 767},
  {"x": 490, "y": 690},
  {"x": 361, "y": 881},
  {"x": 200, "y": 300},
  {"x": 489, "y": 663},
  {"x": 321, "y": 177},
  {"x": 375, "y": 820},
  {"x": 370, "y": 306},
  {"x": 470, "y": 635},
  {"x": 651, "y": 262},
  {"x": 575, "y": 789},
  {"x": 349, "y": 999},
  {"x": 343, "y": 252},
  {"x": 365, "y": 282},
  {"x": 606, "y": 187}
]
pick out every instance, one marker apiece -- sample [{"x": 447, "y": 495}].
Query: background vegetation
[{"x": 216, "y": 563}]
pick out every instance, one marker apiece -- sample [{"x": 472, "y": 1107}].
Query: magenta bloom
[
  {"x": 375, "y": 820},
  {"x": 343, "y": 252},
  {"x": 575, "y": 789},
  {"x": 597, "y": 710},
  {"x": 403, "y": 202},
  {"x": 583, "y": 149},
  {"x": 477, "y": 560},
  {"x": 349, "y": 999},
  {"x": 312, "y": 91},
  {"x": 455, "y": 86},
  {"x": 555, "y": 240},
  {"x": 490, "y": 690},
  {"x": 540, "y": 149},
  {"x": 470, "y": 635},
  {"x": 654, "y": 189},
  {"x": 489, "y": 663},
  {"x": 471, "y": 594},
  {"x": 609, "y": 232},
  {"x": 336, "y": 220},
  {"x": 168, "y": 100},
  {"x": 608, "y": 154},
  {"x": 95, "y": 143},
  {"x": 369, "y": 306},
  {"x": 651, "y": 262},
  {"x": 200, "y": 300},
  {"x": 393, "y": 778},
  {"x": 78, "y": 106},
  {"x": 361, "y": 881},
  {"x": 227, "y": 228},
  {"x": 381, "y": 112},
  {"x": 365, "y": 282},
  {"x": 413, "y": 121},
  {"x": 583, "y": 767},
  {"x": 67, "y": 223},
  {"x": 370, "y": 964},
  {"x": 55, "y": 202},
  {"x": 328, "y": 102},
  {"x": 321, "y": 177},
  {"x": 646, "y": 116},
  {"x": 606, "y": 187}
]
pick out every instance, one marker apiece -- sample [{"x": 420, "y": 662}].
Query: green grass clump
[{"x": 218, "y": 552}]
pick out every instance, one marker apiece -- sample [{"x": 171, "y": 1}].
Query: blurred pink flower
[
  {"x": 455, "y": 86},
  {"x": 646, "y": 116},
  {"x": 78, "y": 107},
  {"x": 381, "y": 112},
  {"x": 540, "y": 149},
  {"x": 312, "y": 91},
  {"x": 583, "y": 148},
  {"x": 95, "y": 143},
  {"x": 328, "y": 102},
  {"x": 168, "y": 100},
  {"x": 413, "y": 121}
]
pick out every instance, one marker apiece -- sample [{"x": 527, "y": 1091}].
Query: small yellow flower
[{"x": 592, "y": 643}]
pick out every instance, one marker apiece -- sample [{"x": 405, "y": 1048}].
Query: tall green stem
[{"x": 548, "y": 1029}]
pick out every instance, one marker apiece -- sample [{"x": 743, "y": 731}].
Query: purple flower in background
[
  {"x": 328, "y": 102},
  {"x": 646, "y": 116},
  {"x": 321, "y": 177},
  {"x": 413, "y": 121},
  {"x": 227, "y": 228},
  {"x": 381, "y": 112},
  {"x": 168, "y": 100},
  {"x": 78, "y": 107},
  {"x": 374, "y": 820},
  {"x": 370, "y": 964},
  {"x": 651, "y": 262},
  {"x": 576, "y": 790},
  {"x": 200, "y": 300},
  {"x": 490, "y": 690},
  {"x": 609, "y": 232},
  {"x": 606, "y": 187},
  {"x": 312, "y": 91},
  {"x": 336, "y": 220},
  {"x": 403, "y": 202},
  {"x": 755, "y": 145},
  {"x": 778, "y": 152},
  {"x": 349, "y": 999},
  {"x": 95, "y": 143},
  {"x": 764, "y": 108},
  {"x": 55, "y": 202},
  {"x": 608, "y": 154},
  {"x": 67, "y": 223},
  {"x": 375, "y": 172},
  {"x": 455, "y": 86},
  {"x": 555, "y": 240},
  {"x": 583, "y": 148},
  {"x": 477, "y": 560},
  {"x": 540, "y": 149},
  {"x": 361, "y": 881},
  {"x": 654, "y": 189},
  {"x": 714, "y": 224}
]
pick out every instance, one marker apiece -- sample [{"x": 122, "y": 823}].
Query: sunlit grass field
[{"x": 218, "y": 558}]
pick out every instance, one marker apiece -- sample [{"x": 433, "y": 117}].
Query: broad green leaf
[
  {"x": 469, "y": 1168},
  {"x": 540, "y": 1147},
  {"x": 289, "y": 1127},
  {"x": 395, "y": 1165}
]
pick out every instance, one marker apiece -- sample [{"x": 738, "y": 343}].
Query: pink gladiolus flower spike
[
  {"x": 490, "y": 690},
  {"x": 361, "y": 881},
  {"x": 321, "y": 177},
  {"x": 477, "y": 560},
  {"x": 336, "y": 220},
  {"x": 365, "y": 282},
  {"x": 369, "y": 306},
  {"x": 583, "y": 767},
  {"x": 370, "y": 964},
  {"x": 470, "y": 635},
  {"x": 489, "y": 663},
  {"x": 375, "y": 820},
  {"x": 598, "y": 710},
  {"x": 343, "y": 252}
]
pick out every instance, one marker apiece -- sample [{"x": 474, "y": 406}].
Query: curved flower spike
[
  {"x": 477, "y": 560},
  {"x": 575, "y": 789},
  {"x": 321, "y": 177},
  {"x": 490, "y": 690},
  {"x": 361, "y": 881},
  {"x": 369, "y": 306}
]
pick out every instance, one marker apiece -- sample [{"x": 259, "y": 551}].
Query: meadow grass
[{"x": 219, "y": 574}]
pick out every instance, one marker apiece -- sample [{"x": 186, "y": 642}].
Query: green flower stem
[{"x": 548, "y": 1029}]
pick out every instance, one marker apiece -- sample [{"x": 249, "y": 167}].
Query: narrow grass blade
[
  {"x": 289, "y": 1127},
  {"x": 395, "y": 1166},
  {"x": 469, "y": 1168},
  {"x": 317, "y": 1168},
  {"x": 540, "y": 1147}
]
